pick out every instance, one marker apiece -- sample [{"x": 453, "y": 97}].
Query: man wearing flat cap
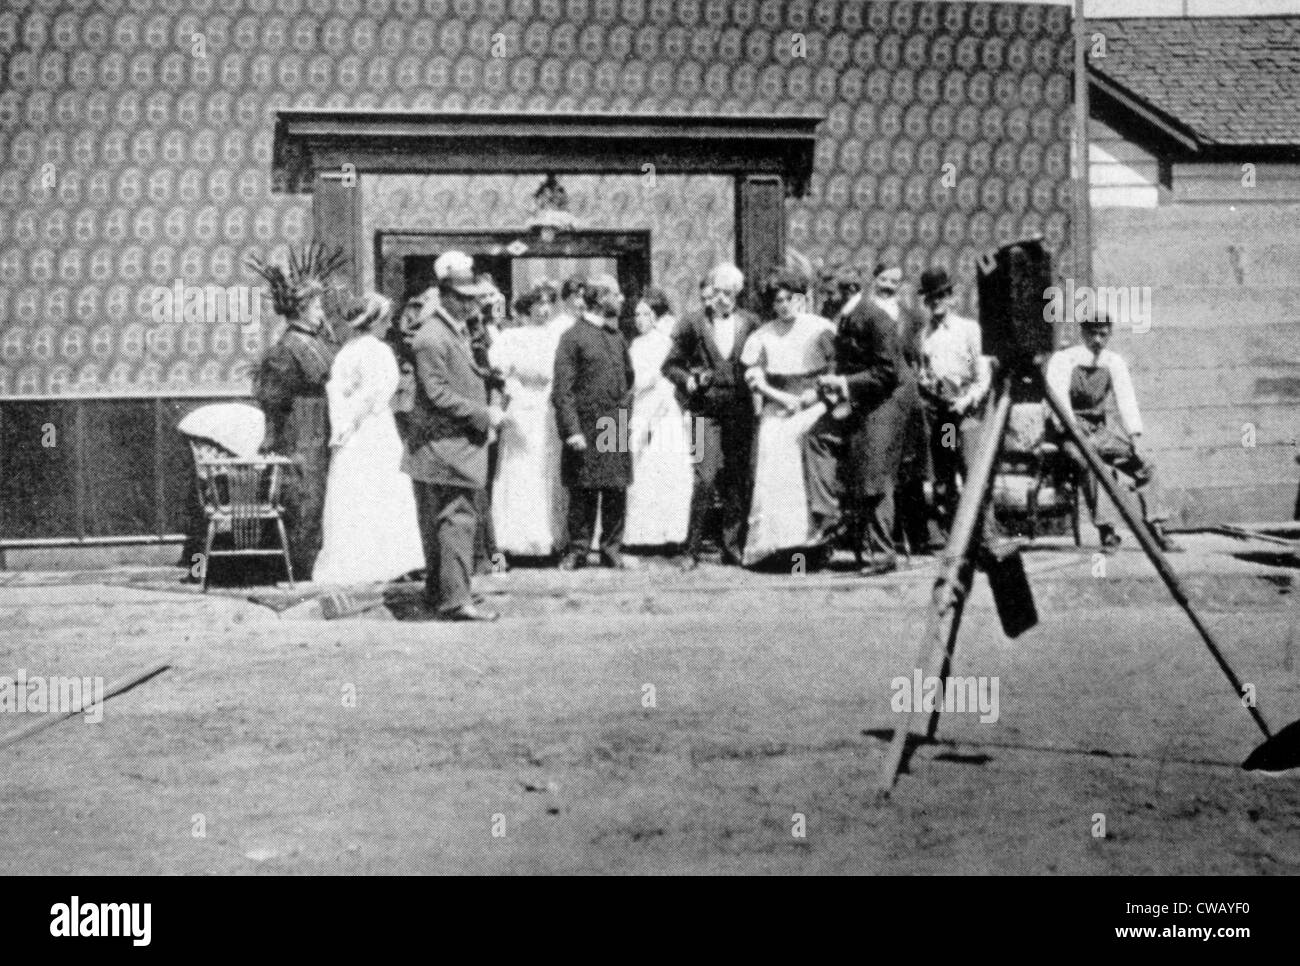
[
  {"x": 447, "y": 433},
  {"x": 1094, "y": 384},
  {"x": 954, "y": 381}
]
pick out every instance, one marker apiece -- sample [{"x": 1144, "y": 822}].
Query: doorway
[{"x": 516, "y": 260}]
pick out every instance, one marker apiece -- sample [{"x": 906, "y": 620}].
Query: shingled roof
[{"x": 1223, "y": 82}]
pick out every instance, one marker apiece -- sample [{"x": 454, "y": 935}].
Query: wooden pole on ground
[{"x": 117, "y": 687}]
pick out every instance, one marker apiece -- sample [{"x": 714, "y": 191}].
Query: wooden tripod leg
[
  {"x": 955, "y": 578},
  {"x": 945, "y": 669},
  {"x": 1143, "y": 534},
  {"x": 207, "y": 552}
]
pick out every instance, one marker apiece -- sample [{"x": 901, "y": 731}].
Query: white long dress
[
  {"x": 779, "y": 518},
  {"x": 659, "y": 499},
  {"x": 370, "y": 528},
  {"x": 526, "y": 516}
]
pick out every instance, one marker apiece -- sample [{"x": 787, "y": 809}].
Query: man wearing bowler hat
[{"x": 447, "y": 433}]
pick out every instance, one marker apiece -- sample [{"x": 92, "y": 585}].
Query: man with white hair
[{"x": 704, "y": 364}]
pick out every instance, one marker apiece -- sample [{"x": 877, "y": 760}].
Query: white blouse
[
  {"x": 808, "y": 346},
  {"x": 362, "y": 382}
]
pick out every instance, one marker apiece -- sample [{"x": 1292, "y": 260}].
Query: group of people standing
[
  {"x": 454, "y": 441},
  {"x": 448, "y": 440},
  {"x": 811, "y": 420},
  {"x": 594, "y": 437}
]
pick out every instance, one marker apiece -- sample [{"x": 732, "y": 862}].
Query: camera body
[{"x": 1013, "y": 295}]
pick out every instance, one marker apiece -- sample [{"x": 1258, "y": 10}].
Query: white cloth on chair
[{"x": 238, "y": 427}]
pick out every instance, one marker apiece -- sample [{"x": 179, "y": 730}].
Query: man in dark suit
[
  {"x": 401, "y": 338},
  {"x": 913, "y": 521},
  {"x": 839, "y": 291},
  {"x": 447, "y": 439},
  {"x": 592, "y": 396},
  {"x": 704, "y": 365},
  {"x": 873, "y": 377}
]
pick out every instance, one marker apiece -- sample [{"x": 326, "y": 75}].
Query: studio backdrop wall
[{"x": 136, "y": 152}]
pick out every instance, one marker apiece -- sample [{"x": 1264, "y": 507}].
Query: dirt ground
[{"x": 533, "y": 745}]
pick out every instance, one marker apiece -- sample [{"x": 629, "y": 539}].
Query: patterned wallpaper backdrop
[
  {"x": 690, "y": 217},
  {"x": 135, "y": 142}
]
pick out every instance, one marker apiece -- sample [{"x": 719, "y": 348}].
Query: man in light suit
[{"x": 447, "y": 439}]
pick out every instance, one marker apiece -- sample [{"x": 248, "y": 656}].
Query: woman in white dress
[
  {"x": 793, "y": 506},
  {"x": 525, "y": 515},
  {"x": 659, "y": 499},
  {"x": 371, "y": 533}
]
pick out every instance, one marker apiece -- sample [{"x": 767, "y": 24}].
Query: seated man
[{"x": 1092, "y": 382}]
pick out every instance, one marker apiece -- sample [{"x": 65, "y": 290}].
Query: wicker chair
[{"x": 240, "y": 496}]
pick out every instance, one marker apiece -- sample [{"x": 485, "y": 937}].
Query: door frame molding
[{"x": 326, "y": 152}]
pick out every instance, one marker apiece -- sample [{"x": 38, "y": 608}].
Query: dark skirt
[{"x": 306, "y": 442}]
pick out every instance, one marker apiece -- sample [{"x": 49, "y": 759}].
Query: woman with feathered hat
[{"x": 290, "y": 388}]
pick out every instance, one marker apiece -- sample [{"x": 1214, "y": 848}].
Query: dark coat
[
  {"x": 592, "y": 395},
  {"x": 296, "y": 367},
  {"x": 447, "y": 427},
  {"x": 915, "y": 463},
  {"x": 291, "y": 392},
  {"x": 881, "y": 391},
  {"x": 694, "y": 352},
  {"x": 401, "y": 337}
]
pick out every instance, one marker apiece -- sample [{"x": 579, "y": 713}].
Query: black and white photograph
[{"x": 651, "y": 437}]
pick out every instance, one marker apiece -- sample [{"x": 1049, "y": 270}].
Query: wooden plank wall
[
  {"x": 88, "y": 468},
  {"x": 1122, "y": 174},
  {"x": 1221, "y": 361}
]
